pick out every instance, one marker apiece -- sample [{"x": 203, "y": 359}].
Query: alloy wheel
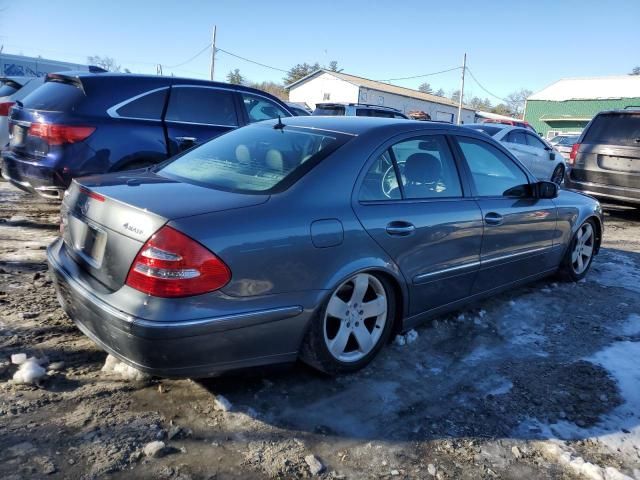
[
  {"x": 558, "y": 175},
  {"x": 355, "y": 318},
  {"x": 583, "y": 249}
]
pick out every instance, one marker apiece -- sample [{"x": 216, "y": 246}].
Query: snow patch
[
  {"x": 29, "y": 372},
  {"x": 127, "y": 372},
  {"x": 621, "y": 272},
  {"x": 632, "y": 325},
  {"x": 406, "y": 339},
  {"x": 559, "y": 452}
]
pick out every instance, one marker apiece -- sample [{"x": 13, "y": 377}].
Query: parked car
[
  {"x": 357, "y": 110},
  {"x": 298, "y": 109},
  {"x": 605, "y": 162},
  {"x": 84, "y": 123},
  {"x": 565, "y": 144},
  {"x": 559, "y": 138},
  {"x": 300, "y": 238},
  {"x": 514, "y": 123},
  {"x": 13, "y": 89},
  {"x": 544, "y": 161}
]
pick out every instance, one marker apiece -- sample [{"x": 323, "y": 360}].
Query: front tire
[
  {"x": 579, "y": 256},
  {"x": 352, "y": 326}
]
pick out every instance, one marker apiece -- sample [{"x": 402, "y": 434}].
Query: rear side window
[
  {"x": 614, "y": 129},
  {"x": 148, "y": 107},
  {"x": 334, "y": 110},
  {"x": 54, "y": 97},
  {"x": 207, "y": 106},
  {"x": 516, "y": 137},
  {"x": 6, "y": 89},
  {"x": 260, "y": 108},
  {"x": 493, "y": 172}
]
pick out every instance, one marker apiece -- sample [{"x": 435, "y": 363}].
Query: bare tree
[
  {"x": 440, "y": 92},
  {"x": 516, "y": 101},
  {"x": 635, "y": 71},
  {"x": 108, "y": 63},
  {"x": 425, "y": 88}
]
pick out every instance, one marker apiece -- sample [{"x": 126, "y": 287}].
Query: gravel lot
[{"x": 541, "y": 382}]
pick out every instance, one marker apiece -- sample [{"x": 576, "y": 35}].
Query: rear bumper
[
  {"x": 611, "y": 193},
  {"x": 33, "y": 177},
  {"x": 190, "y": 348}
]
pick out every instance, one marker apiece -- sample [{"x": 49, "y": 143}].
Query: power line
[
  {"x": 251, "y": 61},
  {"x": 487, "y": 91},
  {"x": 207, "y": 47},
  {"x": 420, "y": 76}
]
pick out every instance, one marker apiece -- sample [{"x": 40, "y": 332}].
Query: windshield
[
  {"x": 332, "y": 110},
  {"x": 7, "y": 89},
  {"x": 568, "y": 141},
  {"x": 255, "y": 159}
]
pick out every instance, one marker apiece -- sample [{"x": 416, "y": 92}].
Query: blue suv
[{"x": 83, "y": 123}]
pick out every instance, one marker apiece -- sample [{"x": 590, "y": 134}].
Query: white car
[
  {"x": 13, "y": 89},
  {"x": 543, "y": 160}
]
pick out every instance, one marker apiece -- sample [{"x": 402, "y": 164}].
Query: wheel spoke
[
  {"x": 588, "y": 231},
  {"x": 587, "y": 250},
  {"x": 580, "y": 264},
  {"x": 363, "y": 337},
  {"x": 337, "y": 308},
  {"x": 339, "y": 343},
  {"x": 574, "y": 255},
  {"x": 374, "y": 308},
  {"x": 580, "y": 233},
  {"x": 360, "y": 286}
]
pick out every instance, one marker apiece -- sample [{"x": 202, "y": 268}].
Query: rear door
[
  {"x": 609, "y": 151},
  {"x": 516, "y": 142},
  {"x": 411, "y": 200},
  {"x": 519, "y": 230},
  {"x": 197, "y": 113},
  {"x": 544, "y": 157}
]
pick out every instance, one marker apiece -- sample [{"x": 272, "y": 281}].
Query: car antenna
[{"x": 279, "y": 125}]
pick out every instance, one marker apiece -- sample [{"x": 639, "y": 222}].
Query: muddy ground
[{"x": 541, "y": 382}]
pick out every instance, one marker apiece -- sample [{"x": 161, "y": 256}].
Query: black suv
[
  {"x": 605, "y": 163},
  {"x": 84, "y": 123},
  {"x": 358, "y": 110}
]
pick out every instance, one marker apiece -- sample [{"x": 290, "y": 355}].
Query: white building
[
  {"x": 326, "y": 86},
  {"x": 21, "y": 66}
]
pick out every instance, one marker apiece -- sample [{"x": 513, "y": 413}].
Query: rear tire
[
  {"x": 558, "y": 174},
  {"x": 579, "y": 256},
  {"x": 352, "y": 326}
]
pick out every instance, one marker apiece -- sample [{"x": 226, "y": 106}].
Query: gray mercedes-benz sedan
[{"x": 311, "y": 237}]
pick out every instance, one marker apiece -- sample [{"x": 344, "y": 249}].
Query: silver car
[
  {"x": 543, "y": 160},
  {"x": 12, "y": 90},
  {"x": 312, "y": 237}
]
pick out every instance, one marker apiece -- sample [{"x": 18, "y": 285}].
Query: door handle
[
  {"x": 493, "y": 218},
  {"x": 186, "y": 139},
  {"x": 400, "y": 229}
]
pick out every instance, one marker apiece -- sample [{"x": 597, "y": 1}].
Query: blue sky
[{"x": 510, "y": 44}]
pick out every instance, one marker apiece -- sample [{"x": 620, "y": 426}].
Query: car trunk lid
[{"x": 107, "y": 219}]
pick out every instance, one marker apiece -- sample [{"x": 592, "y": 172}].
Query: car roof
[
  {"x": 351, "y": 104},
  {"x": 360, "y": 125}
]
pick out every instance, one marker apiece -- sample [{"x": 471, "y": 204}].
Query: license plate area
[
  {"x": 17, "y": 135},
  {"x": 87, "y": 240},
  {"x": 619, "y": 164}
]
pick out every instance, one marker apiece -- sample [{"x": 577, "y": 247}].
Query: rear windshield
[
  {"x": 568, "y": 141},
  {"x": 331, "y": 110},
  {"x": 255, "y": 159},
  {"x": 6, "y": 89},
  {"x": 615, "y": 129},
  {"x": 53, "y": 97}
]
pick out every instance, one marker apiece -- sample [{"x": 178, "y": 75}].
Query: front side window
[
  {"x": 426, "y": 167},
  {"x": 493, "y": 172},
  {"x": 535, "y": 142},
  {"x": 260, "y": 108},
  {"x": 207, "y": 106},
  {"x": 256, "y": 159}
]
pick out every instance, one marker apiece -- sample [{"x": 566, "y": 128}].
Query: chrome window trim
[
  {"x": 112, "y": 112},
  {"x": 184, "y": 122}
]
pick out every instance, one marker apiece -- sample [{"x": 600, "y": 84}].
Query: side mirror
[
  {"x": 552, "y": 156},
  {"x": 546, "y": 190}
]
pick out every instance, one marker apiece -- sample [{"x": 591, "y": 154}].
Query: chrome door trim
[
  {"x": 516, "y": 255},
  {"x": 457, "y": 270}
]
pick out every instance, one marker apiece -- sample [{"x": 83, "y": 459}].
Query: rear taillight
[
  {"x": 573, "y": 154},
  {"x": 171, "y": 264},
  {"x": 60, "y": 134},
  {"x": 5, "y": 107}
]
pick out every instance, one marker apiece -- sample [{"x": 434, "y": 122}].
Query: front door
[
  {"x": 518, "y": 229},
  {"x": 412, "y": 203}
]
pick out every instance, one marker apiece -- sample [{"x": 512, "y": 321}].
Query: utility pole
[
  {"x": 213, "y": 52},
  {"x": 464, "y": 67},
  {"x": 158, "y": 69}
]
